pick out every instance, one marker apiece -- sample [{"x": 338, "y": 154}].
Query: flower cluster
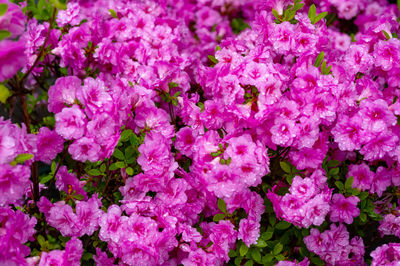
[{"x": 199, "y": 132}]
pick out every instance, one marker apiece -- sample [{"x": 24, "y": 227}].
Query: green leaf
[
  {"x": 339, "y": 185},
  {"x": 232, "y": 253},
  {"x": 41, "y": 240},
  {"x": 319, "y": 59},
  {"x": 94, "y": 172},
  {"x": 317, "y": 261},
  {"x": 267, "y": 258},
  {"x": 272, "y": 220},
  {"x": 3, "y": 9},
  {"x": 243, "y": 249},
  {"x": 221, "y": 205},
  {"x": 280, "y": 257},
  {"x": 283, "y": 225},
  {"x": 120, "y": 164},
  {"x": 4, "y": 34},
  {"x": 249, "y": 263},
  {"x": 129, "y": 171},
  {"x": 363, "y": 217},
  {"x": 333, "y": 163},
  {"x": 267, "y": 235},
  {"x": 21, "y": 158},
  {"x": 113, "y": 13},
  {"x": 103, "y": 167},
  {"x": 312, "y": 12},
  {"x": 125, "y": 135},
  {"x": 276, "y": 14},
  {"x": 218, "y": 217},
  {"x": 119, "y": 154},
  {"x": 363, "y": 195},
  {"x": 261, "y": 243},
  {"x": 333, "y": 171},
  {"x": 285, "y": 167},
  {"x": 213, "y": 59},
  {"x": 255, "y": 254},
  {"x": 278, "y": 248},
  {"x": 79, "y": 197},
  {"x": 46, "y": 179},
  {"x": 4, "y": 93},
  {"x": 172, "y": 85},
  {"x": 87, "y": 256},
  {"x": 59, "y": 4},
  {"x": 320, "y": 16},
  {"x": 349, "y": 182},
  {"x": 386, "y": 34}
]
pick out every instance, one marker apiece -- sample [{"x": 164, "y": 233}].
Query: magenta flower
[
  {"x": 387, "y": 254},
  {"x": 49, "y": 144},
  {"x": 71, "y": 122},
  {"x": 344, "y": 209},
  {"x": 387, "y": 53},
  {"x": 12, "y": 58},
  {"x": 13, "y": 182},
  {"x": 85, "y": 149},
  {"x": 63, "y": 93}
]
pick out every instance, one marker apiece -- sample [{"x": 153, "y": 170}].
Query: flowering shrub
[{"x": 199, "y": 132}]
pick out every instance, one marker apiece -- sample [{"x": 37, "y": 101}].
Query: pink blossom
[
  {"x": 71, "y": 122},
  {"x": 344, "y": 209}
]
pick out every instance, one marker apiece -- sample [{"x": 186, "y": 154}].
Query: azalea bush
[{"x": 212, "y": 132}]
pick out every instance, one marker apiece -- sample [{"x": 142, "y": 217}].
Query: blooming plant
[{"x": 213, "y": 132}]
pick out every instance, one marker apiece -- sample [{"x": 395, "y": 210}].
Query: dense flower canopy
[{"x": 199, "y": 132}]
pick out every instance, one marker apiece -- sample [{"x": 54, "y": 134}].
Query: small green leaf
[
  {"x": 363, "y": 195},
  {"x": 312, "y": 12},
  {"x": 255, "y": 254},
  {"x": 267, "y": 258},
  {"x": 21, "y": 158},
  {"x": 59, "y": 4},
  {"x": 3, "y": 9},
  {"x": 243, "y": 249},
  {"x": 339, "y": 185},
  {"x": 349, "y": 182},
  {"x": 113, "y": 13},
  {"x": 46, "y": 179},
  {"x": 87, "y": 256},
  {"x": 119, "y": 154},
  {"x": 232, "y": 253},
  {"x": 333, "y": 171},
  {"x": 283, "y": 225},
  {"x": 317, "y": 261},
  {"x": 221, "y": 205},
  {"x": 120, "y": 164},
  {"x": 267, "y": 235},
  {"x": 125, "y": 135},
  {"x": 103, "y": 167},
  {"x": 363, "y": 217},
  {"x": 4, "y": 34},
  {"x": 173, "y": 85},
  {"x": 4, "y": 93},
  {"x": 129, "y": 171},
  {"x": 319, "y": 59},
  {"x": 278, "y": 248},
  {"x": 386, "y": 34},
  {"x": 320, "y": 16},
  {"x": 249, "y": 263},
  {"x": 272, "y": 220},
  {"x": 94, "y": 172},
  {"x": 218, "y": 217},
  {"x": 276, "y": 14},
  {"x": 285, "y": 167},
  {"x": 79, "y": 197},
  {"x": 261, "y": 243},
  {"x": 333, "y": 163},
  {"x": 213, "y": 59},
  {"x": 41, "y": 240}
]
